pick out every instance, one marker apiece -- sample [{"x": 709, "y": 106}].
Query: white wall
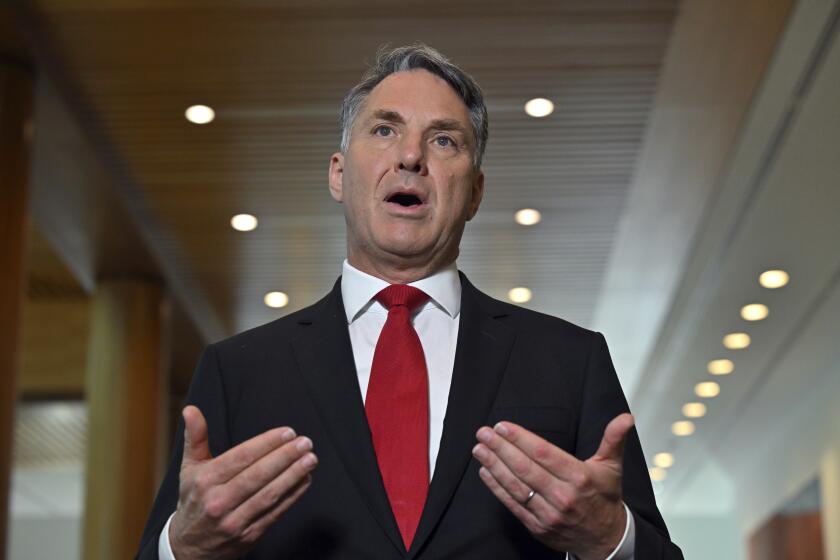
[
  {"x": 39, "y": 538},
  {"x": 707, "y": 536}
]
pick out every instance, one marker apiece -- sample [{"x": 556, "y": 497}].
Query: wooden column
[
  {"x": 830, "y": 501},
  {"x": 15, "y": 114},
  {"x": 126, "y": 391},
  {"x": 788, "y": 537}
]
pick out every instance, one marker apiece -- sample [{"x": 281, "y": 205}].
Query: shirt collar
[{"x": 358, "y": 289}]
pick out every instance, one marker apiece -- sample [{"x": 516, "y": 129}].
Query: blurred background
[{"x": 677, "y": 188}]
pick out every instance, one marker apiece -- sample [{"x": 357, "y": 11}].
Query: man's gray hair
[{"x": 413, "y": 57}]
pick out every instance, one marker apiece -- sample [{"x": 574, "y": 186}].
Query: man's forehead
[{"x": 413, "y": 91}]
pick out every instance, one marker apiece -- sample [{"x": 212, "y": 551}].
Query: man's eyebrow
[
  {"x": 437, "y": 124},
  {"x": 448, "y": 124},
  {"x": 386, "y": 115}
]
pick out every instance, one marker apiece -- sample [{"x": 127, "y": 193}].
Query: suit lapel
[
  {"x": 326, "y": 362},
  {"x": 483, "y": 349}
]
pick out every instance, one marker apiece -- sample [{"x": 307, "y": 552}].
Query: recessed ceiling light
[
  {"x": 244, "y": 222},
  {"x": 200, "y": 114},
  {"x": 683, "y": 428},
  {"x": 721, "y": 367},
  {"x": 736, "y": 341},
  {"x": 657, "y": 474},
  {"x": 694, "y": 410},
  {"x": 519, "y": 295},
  {"x": 707, "y": 389},
  {"x": 663, "y": 460},
  {"x": 539, "y": 107},
  {"x": 276, "y": 299},
  {"x": 528, "y": 217},
  {"x": 773, "y": 279},
  {"x": 754, "y": 312}
]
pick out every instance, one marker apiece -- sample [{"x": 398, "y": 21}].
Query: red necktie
[{"x": 397, "y": 407}]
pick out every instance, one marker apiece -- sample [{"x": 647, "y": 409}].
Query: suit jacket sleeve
[
  {"x": 602, "y": 400},
  {"x": 207, "y": 393}
]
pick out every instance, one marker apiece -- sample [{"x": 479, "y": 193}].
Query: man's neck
[{"x": 397, "y": 272}]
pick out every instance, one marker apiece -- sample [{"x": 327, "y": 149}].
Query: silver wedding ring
[{"x": 528, "y": 499}]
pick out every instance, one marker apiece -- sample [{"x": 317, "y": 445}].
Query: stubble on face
[{"x": 407, "y": 181}]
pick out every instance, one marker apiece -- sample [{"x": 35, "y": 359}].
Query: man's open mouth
[{"x": 405, "y": 199}]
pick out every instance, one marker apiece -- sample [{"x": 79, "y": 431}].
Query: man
[{"x": 446, "y": 424}]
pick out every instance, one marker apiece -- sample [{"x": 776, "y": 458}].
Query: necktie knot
[{"x": 402, "y": 295}]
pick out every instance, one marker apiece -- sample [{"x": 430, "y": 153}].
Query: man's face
[{"x": 407, "y": 181}]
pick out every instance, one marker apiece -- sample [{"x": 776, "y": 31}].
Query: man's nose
[{"x": 411, "y": 156}]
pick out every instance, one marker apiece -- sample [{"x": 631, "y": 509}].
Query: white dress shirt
[{"x": 436, "y": 323}]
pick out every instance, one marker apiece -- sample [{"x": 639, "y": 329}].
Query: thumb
[
  {"x": 612, "y": 444},
  {"x": 195, "y": 436}
]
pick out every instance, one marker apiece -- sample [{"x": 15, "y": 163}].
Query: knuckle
[
  {"x": 552, "y": 519},
  {"x": 520, "y": 467},
  {"x": 489, "y": 459},
  {"x": 270, "y": 496},
  {"x": 517, "y": 466},
  {"x": 542, "y": 452},
  {"x": 203, "y": 481},
  {"x": 245, "y": 457},
  {"x": 520, "y": 489},
  {"x": 582, "y": 479},
  {"x": 559, "y": 499},
  {"x": 215, "y": 507},
  {"x": 259, "y": 472},
  {"x": 538, "y": 529},
  {"x": 230, "y": 526},
  {"x": 250, "y": 535}
]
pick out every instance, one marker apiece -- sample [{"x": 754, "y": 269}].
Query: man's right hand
[{"x": 227, "y": 502}]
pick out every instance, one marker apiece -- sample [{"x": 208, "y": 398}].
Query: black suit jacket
[{"x": 544, "y": 373}]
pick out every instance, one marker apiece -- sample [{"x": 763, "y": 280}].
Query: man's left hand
[{"x": 576, "y": 505}]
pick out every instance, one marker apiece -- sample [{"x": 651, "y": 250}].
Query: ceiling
[
  {"x": 670, "y": 174},
  {"x": 276, "y": 72},
  {"x": 776, "y": 207}
]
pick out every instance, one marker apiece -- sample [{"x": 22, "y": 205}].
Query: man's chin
[
  {"x": 404, "y": 243},
  {"x": 406, "y": 252}
]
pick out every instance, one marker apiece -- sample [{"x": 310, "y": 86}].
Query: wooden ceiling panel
[{"x": 276, "y": 73}]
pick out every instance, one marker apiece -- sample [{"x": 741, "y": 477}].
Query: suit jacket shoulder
[
  {"x": 527, "y": 321},
  {"x": 277, "y": 331}
]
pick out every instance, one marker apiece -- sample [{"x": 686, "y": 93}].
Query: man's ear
[
  {"x": 336, "y": 176},
  {"x": 477, "y": 194}
]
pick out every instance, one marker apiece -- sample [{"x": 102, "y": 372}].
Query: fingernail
[
  {"x": 309, "y": 460},
  {"x": 484, "y": 435},
  {"x": 305, "y": 444},
  {"x": 288, "y": 435},
  {"x": 478, "y": 452},
  {"x": 501, "y": 429}
]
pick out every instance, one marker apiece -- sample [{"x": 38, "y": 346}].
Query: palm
[{"x": 566, "y": 503}]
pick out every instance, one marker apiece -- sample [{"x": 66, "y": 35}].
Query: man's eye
[
  {"x": 444, "y": 141},
  {"x": 383, "y": 131}
]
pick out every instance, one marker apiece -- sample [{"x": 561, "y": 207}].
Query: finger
[
  {"x": 258, "y": 527},
  {"x": 615, "y": 435},
  {"x": 540, "y": 504},
  {"x": 516, "y": 508},
  {"x": 273, "y": 494},
  {"x": 538, "y": 463},
  {"x": 237, "y": 459},
  {"x": 259, "y": 476},
  {"x": 550, "y": 457},
  {"x": 512, "y": 483},
  {"x": 196, "y": 447}
]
